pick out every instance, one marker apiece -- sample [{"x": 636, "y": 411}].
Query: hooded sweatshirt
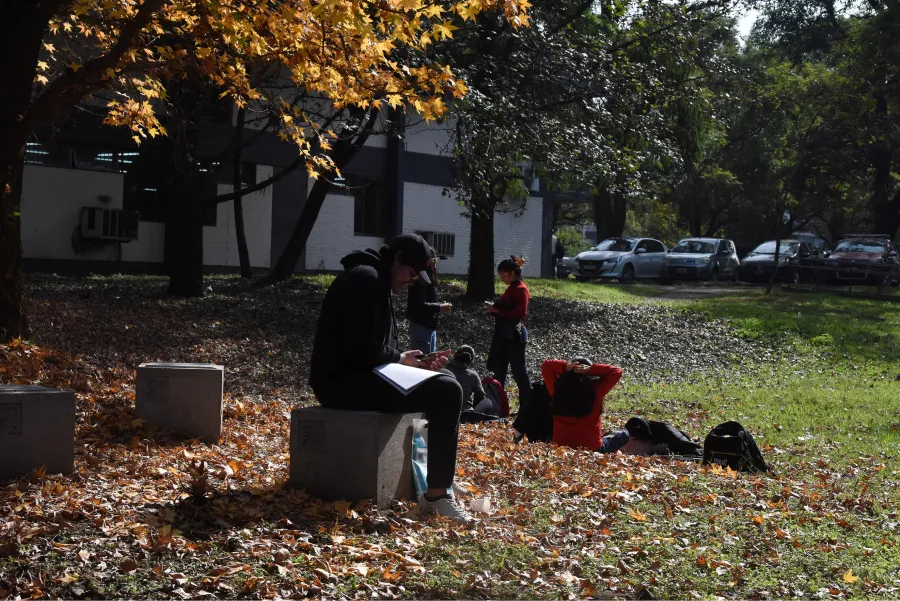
[
  {"x": 422, "y": 306},
  {"x": 356, "y": 330}
]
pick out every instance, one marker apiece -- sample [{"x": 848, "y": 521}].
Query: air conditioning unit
[{"x": 98, "y": 223}]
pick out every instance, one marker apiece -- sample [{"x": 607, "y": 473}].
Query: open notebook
[{"x": 403, "y": 377}]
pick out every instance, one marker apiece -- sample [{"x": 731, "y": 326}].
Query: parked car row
[{"x": 630, "y": 258}]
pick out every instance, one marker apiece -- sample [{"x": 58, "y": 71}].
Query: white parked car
[
  {"x": 625, "y": 259},
  {"x": 703, "y": 259}
]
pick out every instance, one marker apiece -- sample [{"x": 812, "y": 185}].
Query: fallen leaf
[{"x": 849, "y": 578}]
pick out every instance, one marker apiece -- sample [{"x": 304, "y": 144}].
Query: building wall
[
  {"x": 52, "y": 199},
  {"x": 51, "y": 210},
  {"x": 220, "y": 242},
  {"x": 427, "y": 138},
  {"x": 426, "y": 209},
  {"x": 332, "y": 236}
]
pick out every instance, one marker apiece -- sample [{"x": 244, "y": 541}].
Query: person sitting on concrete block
[{"x": 357, "y": 333}]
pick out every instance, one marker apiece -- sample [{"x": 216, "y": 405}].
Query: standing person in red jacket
[
  {"x": 578, "y": 389},
  {"x": 510, "y": 335}
]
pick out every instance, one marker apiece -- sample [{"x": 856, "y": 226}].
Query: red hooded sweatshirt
[{"x": 580, "y": 432}]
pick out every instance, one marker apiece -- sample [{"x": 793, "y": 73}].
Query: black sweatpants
[
  {"x": 439, "y": 398},
  {"x": 506, "y": 355}
]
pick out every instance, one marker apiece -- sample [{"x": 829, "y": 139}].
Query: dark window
[
  {"x": 248, "y": 173},
  {"x": 645, "y": 244},
  {"x": 366, "y": 206},
  {"x": 655, "y": 247},
  {"x": 50, "y": 154},
  {"x": 105, "y": 159},
  {"x": 444, "y": 244}
]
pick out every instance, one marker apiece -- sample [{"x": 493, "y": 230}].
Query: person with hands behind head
[
  {"x": 423, "y": 309},
  {"x": 510, "y": 335},
  {"x": 578, "y": 389},
  {"x": 357, "y": 333}
]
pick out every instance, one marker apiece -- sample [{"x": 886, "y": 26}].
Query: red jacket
[
  {"x": 513, "y": 303},
  {"x": 580, "y": 432}
]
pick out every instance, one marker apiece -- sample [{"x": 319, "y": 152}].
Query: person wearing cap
[
  {"x": 357, "y": 333},
  {"x": 578, "y": 388},
  {"x": 423, "y": 310}
]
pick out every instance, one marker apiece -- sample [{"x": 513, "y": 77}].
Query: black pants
[
  {"x": 510, "y": 354},
  {"x": 439, "y": 398}
]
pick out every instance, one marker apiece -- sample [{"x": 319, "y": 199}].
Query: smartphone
[
  {"x": 491, "y": 303},
  {"x": 428, "y": 357}
]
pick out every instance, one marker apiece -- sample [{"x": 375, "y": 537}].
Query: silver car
[
  {"x": 702, "y": 259},
  {"x": 625, "y": 259}
]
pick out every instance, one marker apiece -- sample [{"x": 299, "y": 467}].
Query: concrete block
[
  {"x": 37, "y": 428},
  {"x": 182, "y": 397},
  {"x": 352, "y": 455}
]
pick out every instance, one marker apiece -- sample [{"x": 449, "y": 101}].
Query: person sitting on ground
[
  {"x": 357, "y": 333},
  {"x": 578, "y": 388},
  {"x": 474, "y": 398}
]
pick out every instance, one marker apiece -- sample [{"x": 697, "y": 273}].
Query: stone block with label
[
  {"x": 185, "y": 398},
  {"x": 352, "y": 455},
  {"x": 37, "y": 429}
]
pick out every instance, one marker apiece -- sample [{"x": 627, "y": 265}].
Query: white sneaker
[{"x": 447, "y": 507}]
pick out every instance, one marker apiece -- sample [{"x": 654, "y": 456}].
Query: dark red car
[{"x": 864, "y": 258}]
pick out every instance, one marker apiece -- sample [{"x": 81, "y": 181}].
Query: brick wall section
[{"x": 332, "y": 235}]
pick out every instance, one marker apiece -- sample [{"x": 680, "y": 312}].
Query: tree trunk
[
  {"x": 611, "y": 210},
  {"x": 13, "y": 319},
  {"x": 342, "y": 153},
  {"x": 19, "y": 46},
  {"x": 480, "y": 283},
  {"x": 185, "y": 240},
  {"x": 777, "y": 255},
  {"x": 236, "y": 170}
]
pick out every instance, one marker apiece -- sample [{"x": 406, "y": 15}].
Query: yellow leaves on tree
[{"x": 345, "y": 51}]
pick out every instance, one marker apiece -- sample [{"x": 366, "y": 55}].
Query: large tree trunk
[
  {"x": 480, "y": 284},
  {"x": 343, "y": 152},
  {"x": 611, "y": 209},
  {"x": 236, "y": 170},
  {"x": 185, "y": 240},
  {"x": 19, "y": 46}
]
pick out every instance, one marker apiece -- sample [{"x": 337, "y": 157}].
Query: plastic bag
[{"x": 420, "y": 456}]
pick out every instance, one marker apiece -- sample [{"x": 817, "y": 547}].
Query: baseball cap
[{"x": 416, "y": 252}]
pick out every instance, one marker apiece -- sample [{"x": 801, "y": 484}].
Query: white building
[{"x": 394, "y": 186}]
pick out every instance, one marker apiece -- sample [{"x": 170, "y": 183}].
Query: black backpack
[
  {"x": 536, "y": 421},
  {"x": 574, "y": 396},
  {"x": 730, "y": 445}
]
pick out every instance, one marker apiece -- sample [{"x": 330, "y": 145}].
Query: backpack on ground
[
  {"x": 574, "y": 395},
  {"x": 494, "y": 391},
  {"x": 730, "y": 445},
  {"x": 536, "y": 419}
]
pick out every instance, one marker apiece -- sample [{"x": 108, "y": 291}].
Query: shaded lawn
[{"x": 570, "y": 524}]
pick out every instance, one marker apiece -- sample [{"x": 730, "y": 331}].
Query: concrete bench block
[
  {"x": 37, "y": 428},
  {"x": 352, "y": 455},
  {"x": 182, "y": 397}
]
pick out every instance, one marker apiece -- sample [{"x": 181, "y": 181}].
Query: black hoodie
[{"x": 356, "y": 326}]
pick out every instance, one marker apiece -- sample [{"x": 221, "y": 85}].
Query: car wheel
[
  {"x": 627, "y": 275},
  {"x": 581, "y": 278}
]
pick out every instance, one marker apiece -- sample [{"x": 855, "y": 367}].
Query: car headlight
[
  {"x": 706, "y": 260},
  {"x": 613, "y": 261}
]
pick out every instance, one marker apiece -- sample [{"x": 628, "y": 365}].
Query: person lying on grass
[{"x": 578, "y": 388}]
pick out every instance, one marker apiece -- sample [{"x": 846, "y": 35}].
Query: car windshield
[
  {"x": 860, "y": 245},
  {"x": 695, "y": 246},
  {"x": 768, "y": 248},
  {"x": 615, "y": 244}
]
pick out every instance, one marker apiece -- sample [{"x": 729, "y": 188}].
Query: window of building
[
  {"x": 49, "y": 154},
  {"x": 248, "y": 173},
  {"x": 105, "y": 159},
  {"x": 367, "y": 209},
  {"x": 444, "y": 244}
]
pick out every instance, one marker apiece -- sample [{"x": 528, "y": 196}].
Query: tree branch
[{"x": 72, "y": 86}]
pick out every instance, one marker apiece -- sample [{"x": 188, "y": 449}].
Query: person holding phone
[
  {"x": 423, "y": 309},
  {"x": 510, "y": 334},
  {"x": 357, "y": 333}
]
